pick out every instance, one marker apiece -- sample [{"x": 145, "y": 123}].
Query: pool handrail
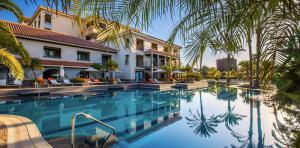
[{"x": 92, "y": 118}]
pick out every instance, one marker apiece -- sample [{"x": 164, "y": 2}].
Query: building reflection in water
[{"x": 132, "y": 113}]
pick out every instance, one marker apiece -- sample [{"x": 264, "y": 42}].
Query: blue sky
[{"x": 161, "y": 28}]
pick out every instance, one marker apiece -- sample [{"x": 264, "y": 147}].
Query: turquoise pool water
[{"x": 213, "y": 117}]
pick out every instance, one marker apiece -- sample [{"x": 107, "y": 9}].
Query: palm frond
[
  {"x": 8, "y": 5},
  {"x": 12, "y": 64}
]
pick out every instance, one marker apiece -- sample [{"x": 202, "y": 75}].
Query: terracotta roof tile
[
  {"x": 65, "y": 63},
  {"x": 25, "y": 31}
]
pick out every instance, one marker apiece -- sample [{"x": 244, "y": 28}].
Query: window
[
  {"x": 83, "y": 56},
  {"x": 34, "y": 24},
  {"x": 48, "y": 18},
  {"x": 105, "y": 58},
  {"x": 52, "y": 52},
  {"x": 154, "y": 46},
  {"x": 139, "y": 44},
  {"x": 126, "y": 59},
  {"x": 139, "y": 61},
  {"x": 39, "y": 21}
]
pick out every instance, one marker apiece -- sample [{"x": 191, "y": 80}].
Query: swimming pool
[{"x": 213, "y": 117}]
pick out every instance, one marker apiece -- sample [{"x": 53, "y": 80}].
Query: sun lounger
[
  {"x": 54, "y": 83},
  {"x": 18, "y": 83},
  {"x": 67, "y": 82},
  {"x": 119, "y": 81},
  {"x": 156, "y": 81},
  {"x": 3, "y": 82}
]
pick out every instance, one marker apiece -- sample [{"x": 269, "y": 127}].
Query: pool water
[{"x": 212, "y": 117}]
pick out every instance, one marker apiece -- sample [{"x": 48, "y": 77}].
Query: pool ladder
[{"x": 91, "y": 118}]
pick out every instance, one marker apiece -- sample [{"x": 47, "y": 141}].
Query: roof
[
  {"x": 134, "y": 30},
  {"x": 65, "y": 63},
  {"x": 29, "y": 32},
  {"x": 50, "y": 10},
  {"x": 155, "y": 38}
]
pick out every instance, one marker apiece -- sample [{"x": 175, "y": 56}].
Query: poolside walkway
[
  {"x": 14, "y": 92},
  {"x": 22, "y": 133}
]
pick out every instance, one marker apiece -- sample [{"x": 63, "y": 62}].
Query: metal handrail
[{"x": 92, "y": 118}]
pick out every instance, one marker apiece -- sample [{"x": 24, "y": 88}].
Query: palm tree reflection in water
[
  {"x": 203, "y": 126},
  {"x": 247, "y": 141},
  {"x": 230, "y": 118}
]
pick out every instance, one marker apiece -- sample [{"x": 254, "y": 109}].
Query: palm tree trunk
[
  {"x": 258, "y": 50},
  {"x": 250, "y": 61},
  {"x": 200, "y": 68},
  {"x": 33, "y": 73},
  {"x": 228, "y": 68}
]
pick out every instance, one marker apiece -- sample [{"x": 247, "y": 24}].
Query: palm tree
[
  {"x": 203, "y": 126},
  {"x": 35, "y": 64},
  {"x": 111, "y": 66},
  {"x": 12, "y": 63},
  {"x": 98, "y": 66},
  {"x": 9, "y": 45}
]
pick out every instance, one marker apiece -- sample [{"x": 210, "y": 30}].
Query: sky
[{"x": 161, "y": 28}]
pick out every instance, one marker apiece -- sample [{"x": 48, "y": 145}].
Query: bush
[
  {"x": 79, "y": 80},
  {"x": 192, "y": 77},
  {"x": 40, "y": 80},
  {"x": 102, "y": 79}
]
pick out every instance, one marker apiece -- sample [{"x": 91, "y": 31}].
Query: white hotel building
[{"x": 54, "y": 38}]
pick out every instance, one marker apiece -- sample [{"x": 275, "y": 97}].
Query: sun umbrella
[
  {"x": 91, "y": 69},
  {"x": 117, "y": 70},
  {"x": 159, "y": 71},
  {"x": 177, "y": 72}
]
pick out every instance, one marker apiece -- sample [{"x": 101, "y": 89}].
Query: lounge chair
[
  {"x": 156, "y": 81},
  {"x": 120, "y": 81},
  {"x": 3, "y": 82},
  {"x": 54, "y": 82},
  {"x": 67, "y": 82},
  {"x": 18, "y": 83}
]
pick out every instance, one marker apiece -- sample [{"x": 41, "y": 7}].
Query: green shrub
[{"x": 78, "y": 80}]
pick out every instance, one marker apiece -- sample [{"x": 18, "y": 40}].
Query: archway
[{"x": 51, "y": 73}]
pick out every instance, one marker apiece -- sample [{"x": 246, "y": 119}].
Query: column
[
  {"x": 151, "y": 60},
  {"x": 158, "y": 61}
]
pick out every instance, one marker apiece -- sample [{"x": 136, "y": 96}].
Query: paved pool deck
[
  {"x": 22, "y": 133},
  {"x": 14, "y": 92}
]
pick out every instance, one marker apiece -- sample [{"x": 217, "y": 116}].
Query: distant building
[{"x": 226, "y": 64}]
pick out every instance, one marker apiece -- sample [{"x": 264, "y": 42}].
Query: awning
[
  {"x": 91, "y": 69},
  {"x": 159, "y": 71}
]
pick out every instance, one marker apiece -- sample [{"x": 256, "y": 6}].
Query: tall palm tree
[
  {"x": 203, "y": 126},
  {"x": 9, "y": 45},
  {"x": 110, "y": 66},
  {"x": 35, "y": 64}
]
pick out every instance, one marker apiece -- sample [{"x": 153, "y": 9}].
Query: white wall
[
  {"x": 60, "y": 23},
  {"x": 68, "y": 53}
]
